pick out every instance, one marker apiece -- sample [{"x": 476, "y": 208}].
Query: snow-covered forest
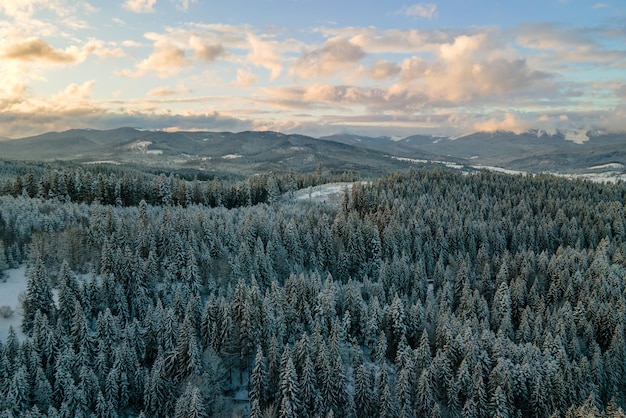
[{"x": 427, "y": 293}]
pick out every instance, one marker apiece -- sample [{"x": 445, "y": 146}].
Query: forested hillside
[{"x": 427, "y": 293}]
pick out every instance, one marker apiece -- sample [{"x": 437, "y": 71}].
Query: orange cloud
[
  {"x": 166, "y": 91},
  {"x": 382, "y": 69},
  {"x": 336, "y": 54},
  {"x": 425, "y": 10},
  {"x": 244, "y": 78},
  {"x": 264, "y": 54},
  {"x": 205, "y": 51},
  {"x": 75, "y": 92},
  {"x": 140, "y": 6},
  {"x": 36, "y": 49},
  {"x": 509, "y": 123}
]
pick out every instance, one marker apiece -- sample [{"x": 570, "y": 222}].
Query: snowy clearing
[
  {"x": 103, "y": 162},
  {"x": 140, "y": 145},
  {"x": 418, "y": 161},
  {"x": 231, "y": 156},
  {"x": 10, "y": 291},
  {"x": 498, "y": 169},
  {"x": 616, "y": 166},
  {"x": 326, "y": 193}
]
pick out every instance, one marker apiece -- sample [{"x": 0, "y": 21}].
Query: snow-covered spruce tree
[
  {"x": 258, "y": 387},
  {"x": 190, "y": 404},
  {"x": 38, "y": 296},
  {"x": 290, "y": 404}
]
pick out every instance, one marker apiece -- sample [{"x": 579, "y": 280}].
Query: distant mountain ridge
[
  {"x": 257, "y": 151},
  {"x": 534, "y": 150},
  {"x": 221, "y": 152}
]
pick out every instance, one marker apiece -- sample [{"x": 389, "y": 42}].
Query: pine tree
[
  {"x": 255, "y": 409},
  {"x": 4, "y": 263},
  {"x": 42, "y": 391},
  {"x": 68, "y": 295},
  {"x": 405, "y": 390},
  {"x": 158, "y": 390},
  {"x": 501, "y": 309},
  {"x": 38, "y": 296},
  {"x": 363, "y": 392},
  {"x": 19, "y": 392},
  {"x": 387, "y": 406},
  {"x": 190, "y": 404},
  {"x": 258, "y": 389},
  {"x": 424, "y": 395},
  {"x": 309, "y": 392},
  {"x": 289, "y": 390},
  {"x": 499, "y": 404},
  {"x": 104, "y": 408},
  {"x": 380, "y": 353}
]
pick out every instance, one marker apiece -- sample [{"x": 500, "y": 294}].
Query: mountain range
[{"x": 259, "y": 151}]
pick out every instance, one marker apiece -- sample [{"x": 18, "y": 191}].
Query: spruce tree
[
  {"x": 290, "y": 404},
  {"x": 38, "y": 296}
]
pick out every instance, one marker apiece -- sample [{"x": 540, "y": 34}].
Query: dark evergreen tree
[
  {"x": 190, "y": 404},
  {"x": 38, "y": 296},
  {"x": 258, "y": 388}
]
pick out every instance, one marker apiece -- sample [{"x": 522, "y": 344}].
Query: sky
[{"x": 314, "y": 67}]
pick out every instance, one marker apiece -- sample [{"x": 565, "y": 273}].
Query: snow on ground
[
  {"x": 410, "y": 160},
  {"x": 10, "y": 291},
  {"x": 103, "y": 162},
  {"x": 417, "y": 161},
  {"x": 577, "y": 136},
  {"x": 596, "y": 178},
  {"x": 498, "y": 169},
  {"x": 616, "y": 166},
  {"x": 140, "y": 145},
  {"x": 231, "y": 156},
  {"x": 325, "y": 193}
]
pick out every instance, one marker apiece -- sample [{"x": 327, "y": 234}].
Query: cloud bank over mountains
[{"x": 167, "y": 65}]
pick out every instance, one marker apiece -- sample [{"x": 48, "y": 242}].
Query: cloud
[
  {"x": 510, "y": 123},
  {"x": 178, "y": 49},
  {"x": 75, "y": 92},
  {"x": 463, "y": 46},
  {"x": 166, "y": 91},
  {"x": 45, "y": 118},
  {"x": 140, "y": 6},
  {"x": 402, "y": 41},
  {"x": 99, "y": 48},
  {"x": 36, "y": 49},
  {"x": 166, "y": 60},
  {"x": 244, "y": 78},
  {"x": 621, "y": 91},
  {"x": 413, "y": 68},
  {"x": 334, "y": 55},
  {"x": 131, "y": 44},
  {"x": 264, "y": 54},
  {"x": 161, "y": 92},
  {"x": 469, "y": 69},
  {"x": 425, "y": 10},
  {"x": 184, "y": 4},
  {"x": 204, "y": 51},
  {"x": 23, "y": 9},
  {"x": 564, "y": 48},
  {"x": 382, "y": 69}
]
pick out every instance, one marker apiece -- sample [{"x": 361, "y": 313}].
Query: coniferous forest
[{"x": 426, "y": 293}]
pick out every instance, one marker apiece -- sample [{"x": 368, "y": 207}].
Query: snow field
[{"x": 10, "y": 290}]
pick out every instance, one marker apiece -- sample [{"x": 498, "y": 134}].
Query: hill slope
[
  {"x": 241, "y": 153},
  {"x": 529, "y": 151}
]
